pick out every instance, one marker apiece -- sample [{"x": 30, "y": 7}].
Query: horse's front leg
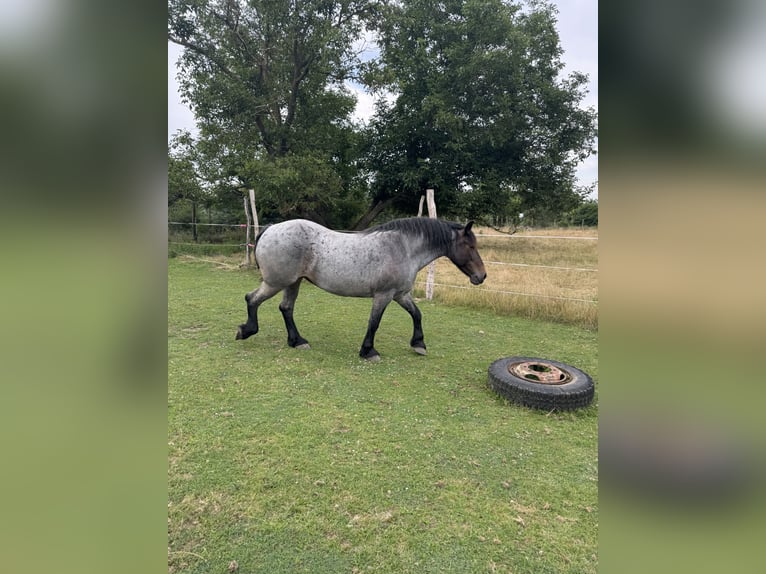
[
  {"x": 408, "y": 304},
  {"x": 379, "y": 304}
]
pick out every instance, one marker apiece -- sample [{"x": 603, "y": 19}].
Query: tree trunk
[{"x": 365, "y": 221}]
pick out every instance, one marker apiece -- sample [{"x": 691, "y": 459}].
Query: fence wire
[{"x": 503, "y": 236}]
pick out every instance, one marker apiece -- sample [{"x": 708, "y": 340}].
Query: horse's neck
[{"x": 424, "y": 253}]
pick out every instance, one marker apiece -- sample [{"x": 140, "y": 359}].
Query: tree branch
[{"x": 202, "y": 52}]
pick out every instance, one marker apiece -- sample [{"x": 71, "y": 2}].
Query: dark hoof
[
  {"x": 243, "y": 333},
  {"x": 420, "y": 350},
  {"x": 372, "y": 355},
  {"x": 299, "y": 343}
]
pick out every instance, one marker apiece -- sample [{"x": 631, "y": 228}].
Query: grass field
[{"x": 281, "y": 460}]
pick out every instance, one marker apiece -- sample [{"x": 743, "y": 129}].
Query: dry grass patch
[{"x": 528, "y": 275}]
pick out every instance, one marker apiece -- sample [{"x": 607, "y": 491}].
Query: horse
[{"x": 381, "y": 262}]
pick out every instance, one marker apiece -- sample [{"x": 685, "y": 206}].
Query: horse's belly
[
  {"x": 364, "y": 279},
  {"x": 345, "y": 286}
]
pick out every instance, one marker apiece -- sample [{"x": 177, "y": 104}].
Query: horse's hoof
[
  {"x": 303, "y": 346},
  {"x": 420, "y": 350},
  {"x": 373, "y": 359},
  {"x": 243, "y": 333}
]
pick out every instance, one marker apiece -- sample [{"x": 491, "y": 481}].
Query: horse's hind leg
[
  {"x": 289, "y": 296},
  {"x": 254, "y": 299},
  {"x": 408, "y": 304}
]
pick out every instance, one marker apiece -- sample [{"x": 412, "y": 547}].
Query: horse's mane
[{"x": 436, "y": 232}]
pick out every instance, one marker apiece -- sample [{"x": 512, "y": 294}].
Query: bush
[{"x": 586, "y": 214}]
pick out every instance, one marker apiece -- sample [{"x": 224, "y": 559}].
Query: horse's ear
[{"x": 467, "y": 227}]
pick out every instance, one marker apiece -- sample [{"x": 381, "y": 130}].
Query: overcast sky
[{"x": 578, "y": 31}]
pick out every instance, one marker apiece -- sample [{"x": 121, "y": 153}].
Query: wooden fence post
[
  {"x": 251, "y": 193},
  {"x": 246, "y": 262},
  {"x": 431, "y": 213}
]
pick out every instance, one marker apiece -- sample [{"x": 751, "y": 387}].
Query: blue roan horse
[{"x": 381, "y": 263}]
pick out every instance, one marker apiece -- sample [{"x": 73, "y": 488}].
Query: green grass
[{"x": 316, "y": 461}]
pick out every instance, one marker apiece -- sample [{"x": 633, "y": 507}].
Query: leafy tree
[
  {"x": 265, "y": 81},
  {"x": 183, "y": 181},
  {"x": 481, "y": 112},
  {"x": 182, "y": 176},
  {"x": 585, "y": 214}
]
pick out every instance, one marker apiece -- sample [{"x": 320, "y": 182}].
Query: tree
[
  {"x": 183, "y": 180},
  {"x": 265, "y": 81},
  {"x": 585, "y": 214},
  {"x": 481, "y": 113}
]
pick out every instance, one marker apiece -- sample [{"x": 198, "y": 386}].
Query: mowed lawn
[{"x": 283, "y": 460}]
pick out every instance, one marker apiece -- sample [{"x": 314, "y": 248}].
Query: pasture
[{"x": 286, "y": 460}]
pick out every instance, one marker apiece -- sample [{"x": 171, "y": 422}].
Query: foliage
[
  {"x": 481, "y": 114},
  {"x": 270, "y": 73},
  {"x": 183, "y": 181},
  {"x": 296, "y": 185},
  {"x": 480, "y": 111},
  {"x": 265, "y": 81},
  {"x": 585, "y": 214}
]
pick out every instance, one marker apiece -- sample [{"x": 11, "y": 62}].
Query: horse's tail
[
  {"x": 262, "y": 230},
  {"x": 255, "y": 243}
]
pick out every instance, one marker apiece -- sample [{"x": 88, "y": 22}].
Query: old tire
[{"x": 541, "y": 383}]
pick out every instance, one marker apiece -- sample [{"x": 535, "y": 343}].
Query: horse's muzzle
[{"x": 477, "y": 278}]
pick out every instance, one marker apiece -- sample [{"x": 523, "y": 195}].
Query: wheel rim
[{"x": 541, "y": 372}]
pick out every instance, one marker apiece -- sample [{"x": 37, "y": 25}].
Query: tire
[{"x": 558, "y": 386}]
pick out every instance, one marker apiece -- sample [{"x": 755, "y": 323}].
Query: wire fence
[
  {"x": 518, "y": 264},
  {"x": 519, "y": 293},
  {"x": 514, "y": 236}
]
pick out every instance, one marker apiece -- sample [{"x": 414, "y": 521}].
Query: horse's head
[{"x": 466, "y": 257}]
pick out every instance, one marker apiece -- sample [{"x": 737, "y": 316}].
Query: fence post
[
  {"x": 251, "y": 193},
  {"x": 430, "y": 277},
  {"x": 246, "y": 262}
]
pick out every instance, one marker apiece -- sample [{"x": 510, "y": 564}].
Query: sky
[{"x": 578, "y": 33}]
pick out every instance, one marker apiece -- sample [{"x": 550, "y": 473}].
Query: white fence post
[
  {"x": 251, "y": 193},
  {"x": 430, "y": 277},
  {"x": 246, "y": 262}
]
